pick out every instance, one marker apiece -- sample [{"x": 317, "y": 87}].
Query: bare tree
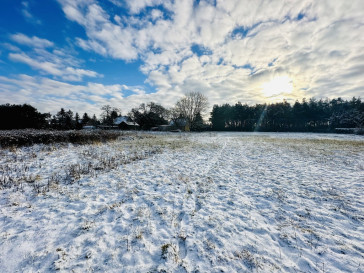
[
  {"x": 109, "y": 114},
  {"x": 190, "y": 107},
  {"x": 106, "y": 110}
]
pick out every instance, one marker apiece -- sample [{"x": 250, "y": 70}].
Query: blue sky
[{"x": 83, "y": 54}]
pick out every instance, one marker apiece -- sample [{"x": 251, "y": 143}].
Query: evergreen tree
[
  {"x": 149, "y": 115},
  {"x": 312, "y": 115},
  {"x": 78, "y": 124},
  {"x": 198, "y": 124},
  {"x": 69, "y": 122},
  {"x": 21, "y": 117},
  {"x": 94, "y": 120},
  {"x": 85, "y": 119}
]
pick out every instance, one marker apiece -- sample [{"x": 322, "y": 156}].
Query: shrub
[{"x": 18, "y": 138}]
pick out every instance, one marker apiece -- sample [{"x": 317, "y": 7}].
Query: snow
[{"x": 209, "y": 202}]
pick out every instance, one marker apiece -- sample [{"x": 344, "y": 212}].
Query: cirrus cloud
[
  {"x": 55, "y": 62},
  {"x": 31, "y": 41}
]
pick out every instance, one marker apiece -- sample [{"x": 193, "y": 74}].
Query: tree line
[
  {"x": 187, "y": 110},
  {"x": 306, "y": 116}
]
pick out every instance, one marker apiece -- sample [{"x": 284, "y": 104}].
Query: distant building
[
  {"x": 164, "y": 128},
  {"x": 125, "y": 123}
]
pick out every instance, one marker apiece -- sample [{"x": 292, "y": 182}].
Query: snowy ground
[{"x": 212, "y": 202}]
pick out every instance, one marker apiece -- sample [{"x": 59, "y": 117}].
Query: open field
[{"x": 211, "y": 202}]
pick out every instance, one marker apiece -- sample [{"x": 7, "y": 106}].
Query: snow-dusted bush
[{"x": 18, "y": 138}]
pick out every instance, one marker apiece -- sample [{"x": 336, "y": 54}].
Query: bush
[{"x": 18, "y": 138}]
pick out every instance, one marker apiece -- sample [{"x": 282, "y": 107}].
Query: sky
[{"x": 83, "y": 54}]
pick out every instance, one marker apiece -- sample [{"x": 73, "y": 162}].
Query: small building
[
  {"x": 125, "y": 123},
  {"x": 164, "y": 128}
]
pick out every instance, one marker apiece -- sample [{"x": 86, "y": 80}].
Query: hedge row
[{"x": 17, "y": 138}]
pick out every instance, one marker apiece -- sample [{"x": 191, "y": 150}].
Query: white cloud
[
  {"x": 47, "y": 67},
  {"x": 53, "y": 68},
  {"x": 90, "y": 45},
  {"x": 28, "y": 15},
  {"x": 10, "y": 47},
  {"x": 105, "y": 37},
  {"x": 31, "y": 41},
  {"x": 156, "y": 14},
  {"x": 76, "y": 74},
  {"x": 48, "y": 59},
  {"x": 49, "y": 95},
  {"x": 317, "y": 44},
  {"x": 136, "y": 6}
]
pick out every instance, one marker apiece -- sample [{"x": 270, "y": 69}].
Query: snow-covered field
[{"x": 211, "y": 202}]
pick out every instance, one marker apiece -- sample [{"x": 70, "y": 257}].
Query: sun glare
[{"x": 278, "y": 85}]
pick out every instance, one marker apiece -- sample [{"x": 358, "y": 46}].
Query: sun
[{"x": 278, "y": 85}]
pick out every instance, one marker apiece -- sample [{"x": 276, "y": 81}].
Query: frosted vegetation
[
  {"x": 27, "y": 137},
  {"x": 212, "y": 202}
]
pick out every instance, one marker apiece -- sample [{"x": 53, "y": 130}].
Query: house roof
[
  {"x": 130, "y": 123},
  {"x": 124, "y": 119},
  {"x": 119, "y": 120}
]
